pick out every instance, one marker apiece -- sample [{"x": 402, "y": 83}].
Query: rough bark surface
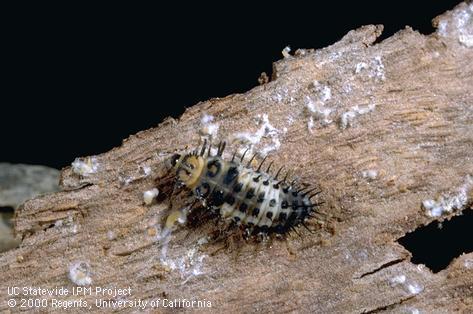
[{"x": 382, "y": 128}]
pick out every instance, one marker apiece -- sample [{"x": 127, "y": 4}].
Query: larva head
[{"x": 188, "y": 168}]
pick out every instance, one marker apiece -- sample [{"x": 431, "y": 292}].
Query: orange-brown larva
[{"x": 251, "y": 198}]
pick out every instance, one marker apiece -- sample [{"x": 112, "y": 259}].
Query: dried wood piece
[{"x": 381, "y": 128}]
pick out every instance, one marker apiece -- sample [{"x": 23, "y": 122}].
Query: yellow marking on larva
[
  {"x": 191, "y": 170},
  {"x": 172, "y": 218}
]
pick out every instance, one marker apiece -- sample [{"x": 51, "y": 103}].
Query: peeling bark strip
[{"x": 381, "y": 128}]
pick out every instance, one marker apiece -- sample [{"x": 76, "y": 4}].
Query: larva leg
[
  {"x": 178, "y": 215},
  {"x": 174, "y": 216}
]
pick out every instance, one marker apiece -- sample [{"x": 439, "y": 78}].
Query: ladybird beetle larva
[{"x": 252, "y": 199}]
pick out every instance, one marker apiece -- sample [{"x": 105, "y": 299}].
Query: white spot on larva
[
  {"x": 209, "y": 128},
  {"x": 286, "y": 52},
  {"x": 80, "y": 274},
  {"x": 370, "y": 174},
  {"x": 347, "y": 118},
  {"x": 266, "y": 130},
  {"x": 448, "y": 203},
  {"x": 85, "y": 166},
  {"x": 150, "y": 195}
]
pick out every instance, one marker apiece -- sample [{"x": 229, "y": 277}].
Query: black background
[{"x": 76, "y": 81}]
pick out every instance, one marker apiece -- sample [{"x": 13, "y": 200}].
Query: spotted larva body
[{"x": 251, "y": 198}]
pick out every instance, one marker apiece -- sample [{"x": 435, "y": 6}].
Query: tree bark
[{"x": 384, "y": 129}]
